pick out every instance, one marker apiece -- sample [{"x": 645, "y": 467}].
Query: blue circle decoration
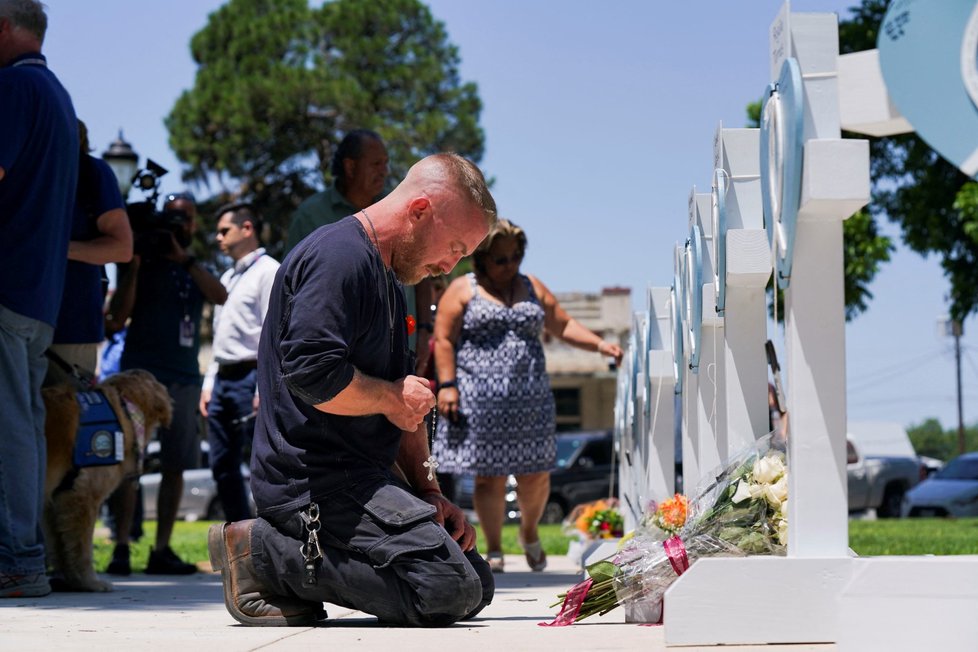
[
  {"x": 678, "y": 299},
  {"x": 694, "y": 295},
  {"x": 782, "y": 132},
  {"x": 720, "y": 236}
]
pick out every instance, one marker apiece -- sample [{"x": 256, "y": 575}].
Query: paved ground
[{"x": 183, "y": 614}]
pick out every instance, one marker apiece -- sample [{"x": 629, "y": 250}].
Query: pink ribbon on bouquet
[
  {"x": 676, "y": 552},
  {"x": 572, "y": 605}
]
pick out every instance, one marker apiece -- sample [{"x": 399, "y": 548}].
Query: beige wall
[{"x": 586, "y": 374}]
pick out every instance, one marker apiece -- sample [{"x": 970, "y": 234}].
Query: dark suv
[{"x": 585, "y": 461}]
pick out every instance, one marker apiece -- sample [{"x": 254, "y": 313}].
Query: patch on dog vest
[{"x": 99, "y": 441}]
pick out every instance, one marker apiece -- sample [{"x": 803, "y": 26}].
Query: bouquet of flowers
[
  {"x": 742, "y": 510},
  {"x": 599, "y": 519},
  {"x": 670, "y": 515}
]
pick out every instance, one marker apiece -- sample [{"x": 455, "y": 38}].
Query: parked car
[
  {"x": 879, "y": 482},
  {"x": 583, "y": 473},
  {"x": 931, "y": 465},
  {"x": 952, "y": 491},
  {"x": 882, "y": 466},
  {"x": 199, "y": 500}
]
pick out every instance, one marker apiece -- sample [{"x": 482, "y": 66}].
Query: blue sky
[{"x": 599, "y": 118}]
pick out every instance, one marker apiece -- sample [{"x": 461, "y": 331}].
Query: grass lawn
[{"x": 917, "y": 536}]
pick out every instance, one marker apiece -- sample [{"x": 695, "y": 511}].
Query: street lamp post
[{"x": 123, "y": 160}]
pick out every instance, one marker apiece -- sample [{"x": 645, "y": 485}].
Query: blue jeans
[
  {"x": 229, "y": 431},
  {"x": 23, "y": 449}
]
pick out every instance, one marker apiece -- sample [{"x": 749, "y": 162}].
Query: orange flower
[{"x": 670, "y": 515}]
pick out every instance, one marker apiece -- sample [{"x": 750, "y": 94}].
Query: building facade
[{"x": 583, "y": 382}]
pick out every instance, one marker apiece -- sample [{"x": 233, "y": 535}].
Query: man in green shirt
[{"x": 360, "y": 169}]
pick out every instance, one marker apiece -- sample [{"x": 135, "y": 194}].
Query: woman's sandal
[
  {"x": 536, "y": 558},
  {"x": 497, "y": 564}
]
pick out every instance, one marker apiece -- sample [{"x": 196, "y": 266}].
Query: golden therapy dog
[{"x": 72, "y": 495}]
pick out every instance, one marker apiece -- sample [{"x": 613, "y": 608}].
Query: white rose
[
  {"x": 768, "y": 469},
  {"x": 743, "y": 493},
  {"x": 776, "y": 493},
  {"x": 783, "y": 532}
]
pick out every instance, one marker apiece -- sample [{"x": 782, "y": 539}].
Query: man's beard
[{"x": 406, "y": 262}]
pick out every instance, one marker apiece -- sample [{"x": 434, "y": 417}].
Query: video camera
[{"x": 151, "y": 228}]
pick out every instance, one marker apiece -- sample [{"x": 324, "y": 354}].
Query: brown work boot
[{"x": 250, "y": 603}]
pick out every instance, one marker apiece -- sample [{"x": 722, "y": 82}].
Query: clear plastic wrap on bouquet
[
  {"x": 745, "y": 501},
  {"x": 740, "y": 509},
  {"x": 645, "y": 572}
]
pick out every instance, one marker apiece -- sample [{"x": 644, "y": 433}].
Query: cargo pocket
[{"x": 395, "y": 523}]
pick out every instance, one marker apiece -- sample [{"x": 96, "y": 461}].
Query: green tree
[
  {"x": 930, "y": 439},
  {"x": 279, "y": 83}
]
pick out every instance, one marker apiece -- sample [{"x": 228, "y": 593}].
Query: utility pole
[{"x": 956, "y": 330}]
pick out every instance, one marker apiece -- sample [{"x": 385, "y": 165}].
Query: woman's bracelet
[{"x": 447, "y": 383}]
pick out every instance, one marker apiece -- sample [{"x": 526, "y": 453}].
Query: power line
[{"x": 891, "y": 371}]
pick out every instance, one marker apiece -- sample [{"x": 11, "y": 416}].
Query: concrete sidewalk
[{"x": 183, "y": 614}]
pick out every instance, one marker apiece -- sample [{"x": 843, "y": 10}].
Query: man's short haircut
[
  {"x": 501, "y": 229},
  {"x": 242, "y": 212},
  {"x": 26, "y": 14},
  {"x": 469, "y": 180},
  {"x": 350, "y": 147}
]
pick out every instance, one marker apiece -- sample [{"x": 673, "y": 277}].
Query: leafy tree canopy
[
  {"x": 930, "y": 439},
  {"x": 279, "y": 83}
]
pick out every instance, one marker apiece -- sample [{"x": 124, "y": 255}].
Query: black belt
[{"x": 237, "y": 369}]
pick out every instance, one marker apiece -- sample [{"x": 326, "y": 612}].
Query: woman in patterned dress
[{"x": 494, "y": 393}]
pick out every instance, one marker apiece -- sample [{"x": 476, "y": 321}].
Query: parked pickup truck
[{"x": 882, "y": 467}]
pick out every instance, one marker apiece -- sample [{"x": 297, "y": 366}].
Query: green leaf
[{"x": 602, "y": 571}]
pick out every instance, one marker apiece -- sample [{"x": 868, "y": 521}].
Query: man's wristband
[
  {"x": 447, "y": 383},
  {"x": 426, "y": 326}
]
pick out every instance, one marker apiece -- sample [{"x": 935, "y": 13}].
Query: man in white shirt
[{"x": 228, "y": 399}]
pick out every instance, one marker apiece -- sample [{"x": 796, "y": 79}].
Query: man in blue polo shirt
[
  {"x": 100, "y": 234},
  {"x": 38, "y": 177}
]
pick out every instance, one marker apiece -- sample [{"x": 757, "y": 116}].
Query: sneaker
[
  {"x": 120, "y": 561},
  {"x": 32, "y": 585},
  {"x": 166, "y": 562},
  {"x": 497, "y": 563}
]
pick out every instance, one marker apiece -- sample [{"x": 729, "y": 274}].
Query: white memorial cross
[
  {"x": 660, "y": 450},
  {"x": 632, "y": 483},
  {"x": 743, "y": 267},
  {"x": 718, "y": 600},
  {"x": 702, "y": 330}
]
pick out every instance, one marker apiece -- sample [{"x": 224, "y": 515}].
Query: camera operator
[{"x": 163, "y": 290}]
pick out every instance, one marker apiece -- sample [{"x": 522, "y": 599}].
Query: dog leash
[{"x": 84, "y": 379}]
